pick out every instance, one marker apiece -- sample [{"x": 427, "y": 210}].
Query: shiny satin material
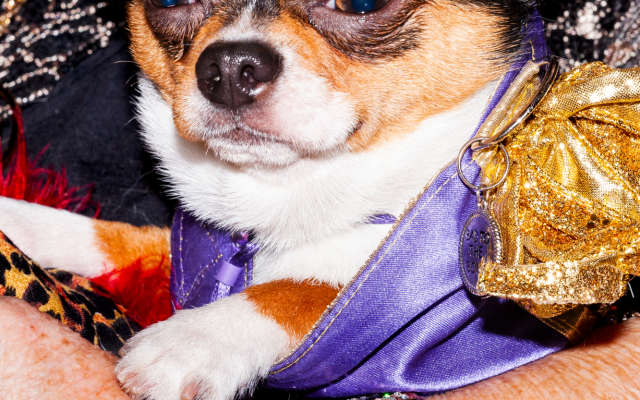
[
  {"x": 570, "y": 207},
  {"x": 198, "y": 254},
  {"x": 406, "y": 322},
  {"x": 382, "y": 219},
  {"x": 208, "y": 263}
]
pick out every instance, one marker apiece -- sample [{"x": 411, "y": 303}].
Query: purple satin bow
[{"x": 229, "y": 271}]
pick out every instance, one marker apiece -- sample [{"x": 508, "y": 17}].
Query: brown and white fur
[{"x": 364, "y": 111}]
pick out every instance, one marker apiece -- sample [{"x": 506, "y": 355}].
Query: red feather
[
  {"x": 142, "y": 288},
  {"x": 22, "y": 179}
]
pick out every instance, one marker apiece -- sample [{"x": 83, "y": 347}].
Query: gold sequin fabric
[
  {"x": 71, "y": 299},
  {"x": 569, "y": 210}
]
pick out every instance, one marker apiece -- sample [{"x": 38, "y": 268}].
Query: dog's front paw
[{"x": 212, "y": 352}]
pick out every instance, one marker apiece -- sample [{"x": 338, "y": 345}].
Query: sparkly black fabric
[
  {"x": 88, "y": 123},
  {"x": 47, "y": 38},
  {"x": 79, "y": 104},
  {"x": 603, "y": 30}
]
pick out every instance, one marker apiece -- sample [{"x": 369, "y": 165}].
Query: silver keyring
[{"x": 481, "y": 188}]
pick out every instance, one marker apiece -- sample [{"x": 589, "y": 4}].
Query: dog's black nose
[{"x": 229, "y": 73}]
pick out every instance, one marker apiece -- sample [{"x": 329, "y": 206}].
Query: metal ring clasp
[{"x": 481, "y": 188}]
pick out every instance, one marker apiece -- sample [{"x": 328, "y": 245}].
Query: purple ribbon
[
  {"x": 207, "y": 263},
  {"x": 229, "y": 271},
  {"x": 228, "y": 274}
]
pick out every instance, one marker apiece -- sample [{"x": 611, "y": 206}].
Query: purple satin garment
[
  {"x": 406, "y": 323},
  {"x": 198, "y": 254}
]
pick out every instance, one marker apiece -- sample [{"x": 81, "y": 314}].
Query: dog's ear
[{"x": 515, "y": 14}]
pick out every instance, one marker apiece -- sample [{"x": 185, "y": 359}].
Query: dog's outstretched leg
[
  {"x": 219, "y": 350},
  {"x": 75, "y": 243}
]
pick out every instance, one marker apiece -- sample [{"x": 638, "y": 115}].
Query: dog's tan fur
[
  {"x": 299, "y": 305},
  {"x": 423, "y": 82},
  {"x": 124, "y": 244}
]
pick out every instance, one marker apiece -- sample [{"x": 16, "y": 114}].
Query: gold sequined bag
[{"x": 569, "y": 210}]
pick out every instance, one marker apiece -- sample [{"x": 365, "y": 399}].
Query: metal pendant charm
[{"x": 480, "y": 241}]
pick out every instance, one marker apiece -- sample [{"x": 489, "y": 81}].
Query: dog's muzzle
[{"x": 232, "y": 74}]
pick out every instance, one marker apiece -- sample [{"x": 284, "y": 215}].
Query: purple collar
[
  {"x": 208, "y": 263},
  {"x": 406, "y": 322}
]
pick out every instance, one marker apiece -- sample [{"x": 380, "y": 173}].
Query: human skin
[
  {"x": 40, "y": 358},
  {"x": 43, "y": 359},
  {"x": 605, "y": 366}
]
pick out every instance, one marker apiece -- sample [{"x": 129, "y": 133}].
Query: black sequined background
[
  {"x": 48, "y": 38},
  {"x": 582, "y": 31}
]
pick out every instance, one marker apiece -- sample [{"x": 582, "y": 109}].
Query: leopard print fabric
[{"x": 71, "y": 299}]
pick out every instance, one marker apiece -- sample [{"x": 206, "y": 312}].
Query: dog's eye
[
  {"x": 356, "y": 6},
  {"x": 172, "y": 3}
]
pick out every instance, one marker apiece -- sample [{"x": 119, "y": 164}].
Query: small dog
[{"x": 296, "y": 120}]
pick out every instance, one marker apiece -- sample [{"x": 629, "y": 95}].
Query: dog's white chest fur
[{"x": 310, "y": 217}]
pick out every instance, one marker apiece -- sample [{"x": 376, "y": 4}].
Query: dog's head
[{"x": 268, "y": 82}]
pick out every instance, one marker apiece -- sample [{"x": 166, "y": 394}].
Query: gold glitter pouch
[{"x": 569, "y": 208}]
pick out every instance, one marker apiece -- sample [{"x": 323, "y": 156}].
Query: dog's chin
[
  {"x": 257, "y": 153},
  {"x": 248, "y": 147},
  {"x": 244, "y": 146}
]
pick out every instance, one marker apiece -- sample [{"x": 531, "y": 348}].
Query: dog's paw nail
[
  {"x": 123, "y": 377},
  {"x": 191, "y": 391},
  {"x": 128, "y": 383}
]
